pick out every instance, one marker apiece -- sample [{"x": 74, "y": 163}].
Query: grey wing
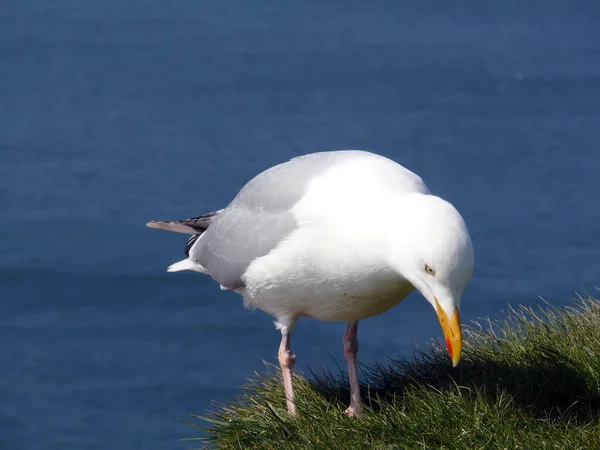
[
  {"x": 260, "y": 216},
  {"x": 257, "y": 219},
  {"x": 242, "y": 235}
]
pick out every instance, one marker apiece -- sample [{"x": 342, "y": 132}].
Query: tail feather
[
  {"x": 195, "y": 225},
  {"x": 177, "y": 227},
  {"x": 186, "y": 264}
]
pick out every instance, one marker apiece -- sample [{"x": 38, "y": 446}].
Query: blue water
[{"x": 113, "y": 113}]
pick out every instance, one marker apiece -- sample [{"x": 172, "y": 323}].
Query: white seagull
[{"x": 341, "y": 235}]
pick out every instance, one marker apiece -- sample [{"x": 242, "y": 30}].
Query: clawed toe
[{"x": 352, "y": 411}]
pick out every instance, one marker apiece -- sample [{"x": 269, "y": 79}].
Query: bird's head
[{"x": 433, "y": 251}]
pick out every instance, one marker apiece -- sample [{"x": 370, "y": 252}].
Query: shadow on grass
[{"x": 548, "y": 386}]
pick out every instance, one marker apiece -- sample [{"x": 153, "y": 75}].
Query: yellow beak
[{"x": 452, "y": 332}]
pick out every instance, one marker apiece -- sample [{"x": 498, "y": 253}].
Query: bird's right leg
[
  {"x": 350, "y": 350},
  {"x": 287, "y": 359}
]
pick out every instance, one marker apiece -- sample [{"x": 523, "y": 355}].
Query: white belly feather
[{"x": 322, "y": 276}]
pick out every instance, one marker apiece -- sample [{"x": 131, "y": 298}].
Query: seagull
[{"x": 335, "y": 236}]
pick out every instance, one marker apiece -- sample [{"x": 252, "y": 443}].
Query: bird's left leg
[
  {"x": 287, "y": 359},
  {"x": 350, "y": 350}
]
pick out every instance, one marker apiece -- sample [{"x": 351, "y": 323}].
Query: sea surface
[{"x": 116, "y": 112}]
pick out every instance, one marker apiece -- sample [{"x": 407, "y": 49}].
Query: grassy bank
[{"x": 529, "y": 381}]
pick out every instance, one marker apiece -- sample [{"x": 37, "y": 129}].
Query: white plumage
[{"x": 335, "y": 236}]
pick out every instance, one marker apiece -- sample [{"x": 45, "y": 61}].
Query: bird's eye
[{"x": 429, "y": 270}]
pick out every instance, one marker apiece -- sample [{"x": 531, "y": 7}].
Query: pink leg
[
  {"x": 350, "y": 350},
  {"x": 286, "y": 361}
]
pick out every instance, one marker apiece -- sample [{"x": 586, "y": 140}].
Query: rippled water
[{"x": 117, "y": 112}]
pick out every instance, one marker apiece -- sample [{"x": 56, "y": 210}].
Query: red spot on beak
[{"x": 449, "y": 346}]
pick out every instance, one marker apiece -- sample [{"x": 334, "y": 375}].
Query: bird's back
[{"x": 266, "y": 208}]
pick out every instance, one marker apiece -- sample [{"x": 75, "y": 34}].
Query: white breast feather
[{"x": 333, "y": 266}]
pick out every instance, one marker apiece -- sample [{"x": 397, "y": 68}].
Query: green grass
[{"x": 528, "y": 381}]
